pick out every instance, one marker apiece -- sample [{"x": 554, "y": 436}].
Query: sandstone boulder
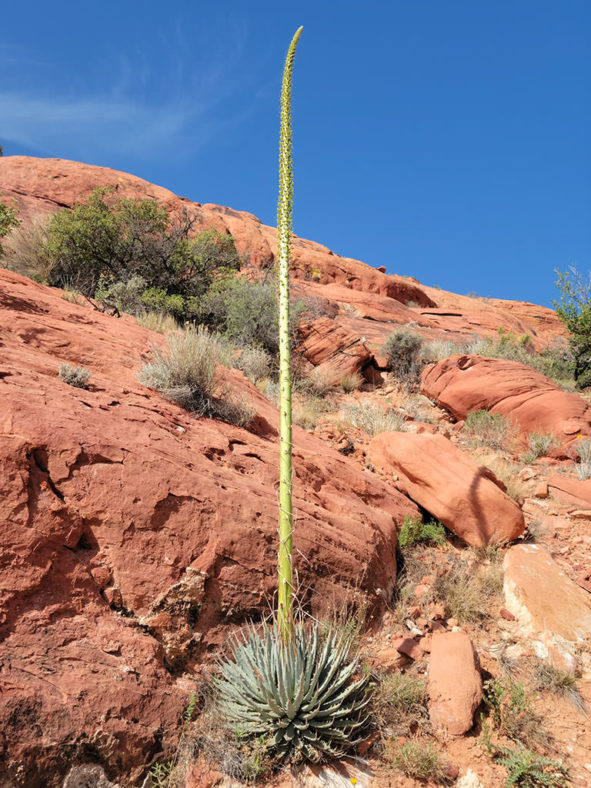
[
  {"x": 550, "y": 608},
  {"x": 445, "y": 481},
  {"x": 462, "y": 384},
  {"x": 455, "y": 686}
]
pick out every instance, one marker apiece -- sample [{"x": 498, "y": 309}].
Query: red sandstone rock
[
  {"x": 371, "y": 302},
  {"x": 463, "y": 384},
  {"x": 134, "y": 535},
  {"x": 455, "y": 686},
  {"x": 449, "y": 485},
  {"x": 571, "y": 490},
  {"x": 332, "y": 349},
  {"x": 548, "y": 605}
]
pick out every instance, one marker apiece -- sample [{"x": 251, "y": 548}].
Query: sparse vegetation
[
  {"x": 526, "y": 768},
  {"x": 583, "y": 467},
  {"x": 74, "y": 376},
  {"x": 186, "y": 374},
  {"x": 538, "y": 446},
  {"x": 414, "y": 530},
  {"x": 559, "y": 682},
  {"x": 23, "y": 249},
  {"x": 8, "y": 221},
  {"x": 465, "y": 593},
  {"x": 157, "y": 321},
  {"x": 574, "y": 309},
  {"x": 307, "y": 410},
  {"x": 351, "y": 382},
  {"x": 402, "y": 349},
  {"x": 373, "y": 418},
  {"x": 507, "y": 472},
  {"x": 419, "y": 760},
  {"x": 512, "y": 712},
  {"x": 399, "y": 704},
  {"x": 255, "y": 362},
  {"x": 489, "y": 429}
]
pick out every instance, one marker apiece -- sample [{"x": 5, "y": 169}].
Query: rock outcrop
[
  {"x": 462, "y": 384},
  {"x": 134, "y": 535},
  {"x": 445, "y": 481},
  {"x": 550, "y": 608}
]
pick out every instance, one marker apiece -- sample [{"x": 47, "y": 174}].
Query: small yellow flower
[{"x": 353, "y": 780}]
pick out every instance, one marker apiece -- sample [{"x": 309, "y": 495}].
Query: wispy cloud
[{"x": 125, "y": 105}]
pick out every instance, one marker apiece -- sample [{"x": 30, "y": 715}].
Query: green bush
[
  {"x": 8, "y": 221},
  {"x": 402, "y": 349},
  {"x": 512, "y": 711},
  {"x": 103, "y": 243},
  {"x": 301, "y": 700},
  {"x": 186, "y": 374},
  {"x": 574, "y": 309},
  {"x": 525, "y": 768},
  {"x": 415, "y": 530},
  {"x": 74, "y": 376}
]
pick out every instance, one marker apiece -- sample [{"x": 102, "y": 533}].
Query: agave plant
[{"x": 301, "y": 699}]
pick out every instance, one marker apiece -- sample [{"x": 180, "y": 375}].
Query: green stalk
[{"x": 284, "y": 229}]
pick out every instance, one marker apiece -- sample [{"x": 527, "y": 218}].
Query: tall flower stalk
[{"x": 284, "y": 230}]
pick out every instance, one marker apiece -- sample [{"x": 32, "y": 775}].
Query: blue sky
[{"x": 444, "y": 139}]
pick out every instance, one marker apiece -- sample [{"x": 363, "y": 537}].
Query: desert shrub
[
  {"x": 465, "y": 593},
  {"x": 402, "y": 349},
  {"x": 103, "y": 242},
  {"x": 399, "y": 704},
  {"x": 74, "y": 376},
  {"x": 374, "y": 419},
  {"x": 8, "y": 221},
  {"x": 419, "y": 760},
  {"x": 186, "y": 374},
  {"x": 414, "y": 530},
  {"x": 351, "y": 382},
  {"x": 73, "y": 297},
  {"x": 246, "y": 312},
  {"x": 490, "y": 429},
  {"x": 512, "y": 712},
  {"x": 255, "y": 362},
  {"x": 538, "y": 446},
  {"x": 24, "y": 249},
  {"x": 302, "y": 701},
  {"x": 574, "y": 309}
]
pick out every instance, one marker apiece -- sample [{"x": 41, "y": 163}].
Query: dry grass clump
[
  {"x": 508, "y": 473},
  {"x": 74, "y": 376},
  {"x": 466, "y": 592},
  {"x": 538, "y": 445},
  {"x": 24, "y": 249},
  {"x": 204, "y": 736},
  {"x": 547, "y": 678},
  {"x": 186, "y": 374},
  {"x": 399, "y": 704},
  {"x": 351, "y": 382},
  {"x": 419, "y": 760},
  {"x": 489, "y": 429},
  {"x": 373, "y": 418},
  {"x": 583, "y": 467},
  {"x": 158, "y": 321}
]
